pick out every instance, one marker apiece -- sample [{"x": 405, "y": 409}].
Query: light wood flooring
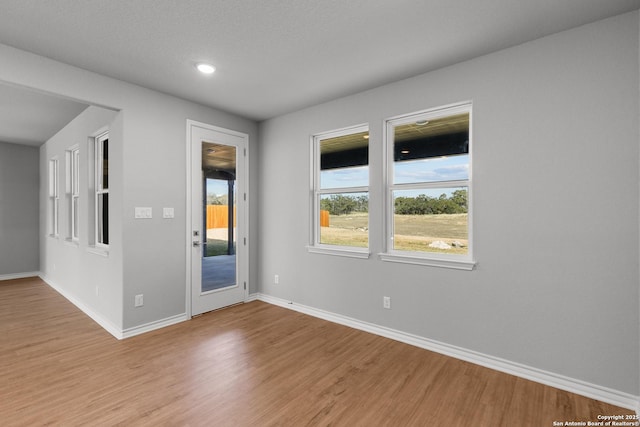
[{"x": 249, "y": 365}]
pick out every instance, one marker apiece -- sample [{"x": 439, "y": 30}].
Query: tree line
[
  {"x": 213, "y": 199},
  {"x": 424, "y": 205},
  {"x": 339, "y": 204}
]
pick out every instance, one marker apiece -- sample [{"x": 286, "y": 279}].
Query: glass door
[{"x": 218, "y": 221}]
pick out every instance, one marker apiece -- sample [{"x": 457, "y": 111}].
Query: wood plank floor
[{"x": 249, "y": 365}]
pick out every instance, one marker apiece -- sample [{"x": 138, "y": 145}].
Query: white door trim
[{"x": 243, "y": 248}]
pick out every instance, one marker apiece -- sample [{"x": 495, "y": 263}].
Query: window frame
[
  {"x": 74, "y": 192},
  {"x": 54, "y": 197},
  {"x": 100, "y": 191},
  {"x": 455, "y": 261},
  {"x": 316, "y": 192}
]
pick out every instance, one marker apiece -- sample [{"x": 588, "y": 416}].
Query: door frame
[{"x": 242, "y": 250}]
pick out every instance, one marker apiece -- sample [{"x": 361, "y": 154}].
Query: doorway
[{"x": 217, "y": 230}]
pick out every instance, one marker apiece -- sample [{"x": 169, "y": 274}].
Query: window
[
  {"x": 73, "y": 190},
  {"x": 428, "y": 188},
  {"x": 53, "y": 197},
  {"x": 340, "y": 192},
  {"x": 102, "y": 189}
]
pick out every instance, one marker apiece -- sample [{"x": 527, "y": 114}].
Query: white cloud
[{"x": 429, "y": 170}]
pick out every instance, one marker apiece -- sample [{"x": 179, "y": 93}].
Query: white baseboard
[
  {"x": 562, "y": 382},
  {"x": 19, "y": 275},
  {"x": 108, "y": 325},
  {"x": 151, "y": 326},
  {"x": 98, "y": 318},
  {"x": 252, "y": 297}
]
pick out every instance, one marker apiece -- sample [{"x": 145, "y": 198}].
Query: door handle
[{"x": 196, "y": 244}]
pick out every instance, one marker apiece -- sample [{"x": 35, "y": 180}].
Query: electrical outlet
[
  {"x": 138, "y": 301},
  {"x": 276, "y": 279},
  {"x": 386, "y": 302}
]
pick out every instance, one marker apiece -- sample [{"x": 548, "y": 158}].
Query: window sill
[
  {"x": 456, "y": 264},
  {"x": 98, "y": 251},
  {"x": 70, "y": 242},
  {"x": 345, "y": 252}
]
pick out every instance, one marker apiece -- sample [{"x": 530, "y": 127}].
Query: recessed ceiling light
[
  {"x": 405, "y": 151},
  {"x": 366, "y": 137},
  {"x": 205, "y": 68},
  {"x": 422, "y": 122}
]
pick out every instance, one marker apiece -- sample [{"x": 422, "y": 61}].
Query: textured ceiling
[{"x": 278, "y": 56}]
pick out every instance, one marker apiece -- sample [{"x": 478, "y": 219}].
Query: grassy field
[
  {"x": 412, "y": 232},
  {"x": 347, "y": 230},
  {"x": 216, "y": 247}
]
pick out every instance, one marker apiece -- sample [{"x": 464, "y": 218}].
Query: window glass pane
[
  {"x": 53, "y": 178},
  {"x": 54, "y": 226},
  {"x": 53, "y": 195},
  {"x": 431, "y": 220},
  {"x": 105, "y": 164},
  {"x": 74, "y": 213},
  {"x": 344, "y": 219},
  {"x": 220, "y": 170},
  {"x": 444, "y": 168},
  {"x": 75, "y": 172},
  {"x": 103, "y": 218},
  {"x": 344, "y": 161},
  {"x": 345, "y": 177},
  {"x": 432, "y": 151}
]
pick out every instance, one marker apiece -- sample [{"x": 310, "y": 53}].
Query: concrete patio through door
[{"x": 218, "y": 272}]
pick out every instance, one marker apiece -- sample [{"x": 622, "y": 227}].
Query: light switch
[
  {"x": 143, "y": 213},
  {"x": 167, "y": 213}
]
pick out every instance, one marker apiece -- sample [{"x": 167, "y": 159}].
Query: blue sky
[
  {"x": 217, "y": 187},
  {"x": 446, "y": 168},
  {"x": 357, "y": 176},
  {"x": 423, "y": 170}
]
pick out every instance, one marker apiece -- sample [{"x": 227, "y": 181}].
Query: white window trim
[
  {"x": 75, "y": 193},
  {"x": 54, "y": 197},
  {"x": 100, "y": 248},
  {"x": 73, "y": 184},
  {"x": 454, "y": 261},
  {"x": 345, "y": 251},
  {"x": 316, "y": 192}
]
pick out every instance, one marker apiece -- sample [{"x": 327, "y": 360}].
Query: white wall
[
  {"x": 19, "y": 229},
  {"x": 556, "y": 202},
  {"x": 155, "y": 176},
  {"x": 91, "y": 279},
  {"x": 149, "y": 169}
]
